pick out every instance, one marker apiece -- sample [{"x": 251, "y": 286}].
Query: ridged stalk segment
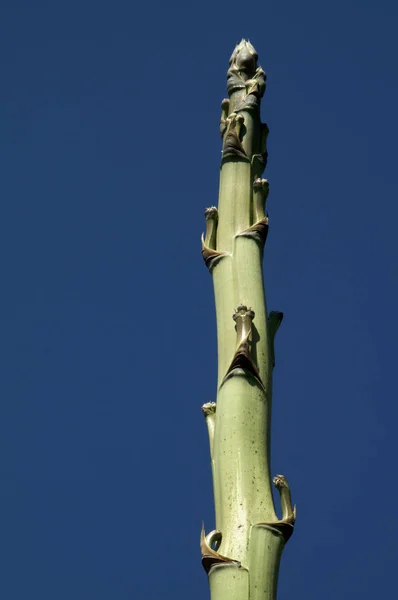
[{"x": 242, "y": 555}]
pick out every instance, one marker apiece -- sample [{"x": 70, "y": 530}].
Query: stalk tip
[{"x": 244, "y": 58}]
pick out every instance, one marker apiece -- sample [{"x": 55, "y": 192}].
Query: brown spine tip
[
  {"x": 209, "y": 241},
  {"x": 211, "y": 213},
  {"x": 280, "y": 482},
  {"x": 209, "y": 409}
]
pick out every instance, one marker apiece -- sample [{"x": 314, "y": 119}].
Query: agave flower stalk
[{"x": 242, "y": 555}]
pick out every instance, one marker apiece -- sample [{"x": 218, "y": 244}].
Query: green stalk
[{"x": 242, "y": 555}]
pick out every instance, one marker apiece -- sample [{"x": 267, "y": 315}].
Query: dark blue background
[{"x": 109, "y": 152}]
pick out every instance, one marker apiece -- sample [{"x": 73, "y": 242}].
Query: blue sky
[{"x": 110, "y": 149}]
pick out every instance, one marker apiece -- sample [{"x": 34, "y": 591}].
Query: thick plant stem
[{"x": 242, "y": 554}]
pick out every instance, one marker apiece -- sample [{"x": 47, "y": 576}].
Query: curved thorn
[
  {"x": 224, "y": 109},
  {"x": 239, "y": 120},
  {"x": 281, "y": 484},
  {"x": 264, "y": 132},
  {"x": 242, "y": 359},
  {"x": 211, "y": 215},
  {"x": 213, "y": 539},
  {"x": 210, "y": 256},
  {"x": 274, "y": 320},
  {"x": 210, "y": 556},
  {"x": 259, "y": 160},
  {"x": 284, "y": 526},
  {"x": 258, "y": 231},
  {"x": 224, "y": 116},
  {"x": 260, "y": 193},
  {"x": 209, "y": 411}
]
